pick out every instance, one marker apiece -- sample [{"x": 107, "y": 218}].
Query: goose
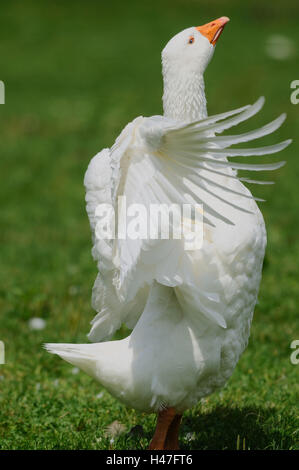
[{"x": 189, "y": 309}]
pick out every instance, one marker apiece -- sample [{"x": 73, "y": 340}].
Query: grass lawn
[{"x": 75, "y": 74}]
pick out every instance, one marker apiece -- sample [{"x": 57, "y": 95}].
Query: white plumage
[{"x": 190, "y": 311}]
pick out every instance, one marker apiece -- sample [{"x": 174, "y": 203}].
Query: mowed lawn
[{"x": 75, "y": 74}]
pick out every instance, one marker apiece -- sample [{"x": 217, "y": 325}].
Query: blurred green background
[{"x": 75, "y": 74}]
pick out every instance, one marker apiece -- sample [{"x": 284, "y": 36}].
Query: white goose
[{"x": 190, "y": 311}]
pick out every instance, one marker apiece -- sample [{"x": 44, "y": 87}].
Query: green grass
[{"x": 75, "y": 74}]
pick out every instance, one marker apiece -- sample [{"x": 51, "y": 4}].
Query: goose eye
[{"x": 191, "y": 40}]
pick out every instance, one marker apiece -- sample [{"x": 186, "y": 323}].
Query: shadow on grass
[
  {"x": 225, "y": 428},
  {"x": 231, "y": 428}
]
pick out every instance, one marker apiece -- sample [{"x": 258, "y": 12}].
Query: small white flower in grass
[
  {"x": 37, "y": 387},
  {"x": 111, "y": 441},
  {"x": 56, "y": 382},
  {"x": 75, "y": 370},
  {"x": 36, "y": 323},
  {"x": 114, "y": 429},
  {"x": 100, "y": 395},
  {"x": 280, "y": 47},
  {"x": 190, "y": 436}
]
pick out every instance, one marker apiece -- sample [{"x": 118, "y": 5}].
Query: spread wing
[
  {"x": 158, "y": 160},
  {"x": 195, "y": 153},
  {"x": 175, "y": 163}
]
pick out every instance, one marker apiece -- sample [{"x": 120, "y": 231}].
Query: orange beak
[{"x": 213, "y": 30}]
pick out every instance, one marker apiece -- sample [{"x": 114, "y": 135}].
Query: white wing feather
[
  {"x": 157, "y": 160},
  {"x": 99, "y": 181}
]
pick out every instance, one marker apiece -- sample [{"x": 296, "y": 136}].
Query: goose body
[
  {"x": 190, "y": 310},
  {"x": 192, "y": 330}
]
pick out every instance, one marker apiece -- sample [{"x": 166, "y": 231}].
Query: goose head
[
  {"x": 184, "y": 60},
  {"x": 192, "y": 49}
]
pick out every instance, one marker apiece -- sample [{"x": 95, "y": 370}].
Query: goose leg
[
  {"x": 167, "y": 431},
  {"x": 172, "y": 438}
]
